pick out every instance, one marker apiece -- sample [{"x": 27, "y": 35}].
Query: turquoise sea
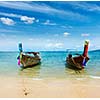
[{"x": 52, "y": 66}]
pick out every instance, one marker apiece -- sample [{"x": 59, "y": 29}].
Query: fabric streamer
[
  {"x": 84, "y": 62},
  {"x": 85, "y": 53},
  {"x": 19, "y": 61}
]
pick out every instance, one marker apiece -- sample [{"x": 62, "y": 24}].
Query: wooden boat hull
[
  {"x": 76, "y": 62},
  {"x": 79, "y": 61},
  {"x": 29, "y": 61}
]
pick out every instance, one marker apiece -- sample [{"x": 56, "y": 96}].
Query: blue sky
[{"x": 49, "y": 25}]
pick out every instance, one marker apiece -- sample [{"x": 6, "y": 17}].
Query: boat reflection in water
[{"x": 30, "y": 72}]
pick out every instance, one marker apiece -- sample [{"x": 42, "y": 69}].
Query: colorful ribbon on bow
[{"x": 84, "y": 61}]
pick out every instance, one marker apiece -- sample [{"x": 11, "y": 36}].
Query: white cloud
[
  {"x": 37, "y": 20},
  {"x": 10, "y": 15},
  {"x": 67, "y": 26},
  {"x": 54, "y": 45},
  {"x": 47, "y": 22},
  {"x": 85, "y": 5},
  {"x": 25, "y": 19},
  {"x": 49, "y": 45},
  {"x": 85, "y": 34},
  {"x": 66, "y": 34},
  {"x": 7, "y": 21},
  {"x": 28, "y": 20},
  {"x": 29, "y": 6},
  {"x": 42, "y": 8},
  {"x": 58, "y": 45},
  {"x": 31, "y": 39}
]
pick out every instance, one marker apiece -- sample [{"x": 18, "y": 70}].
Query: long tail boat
[
  {"x": 28, "y": 59},
  {"x": 79, "y": 61}
]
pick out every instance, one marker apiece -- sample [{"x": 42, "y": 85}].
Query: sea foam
[
  {"x": 36, "y": 79},
  {"x": 96, "y": 77}
]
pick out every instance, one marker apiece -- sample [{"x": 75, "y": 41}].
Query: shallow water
[{"x": 52, "y": 66}]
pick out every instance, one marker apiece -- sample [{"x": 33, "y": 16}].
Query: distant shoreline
[{"x": 51, "y": 51}]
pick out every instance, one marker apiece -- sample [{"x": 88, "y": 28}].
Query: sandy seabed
[{"x": 11, "y": 87}]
